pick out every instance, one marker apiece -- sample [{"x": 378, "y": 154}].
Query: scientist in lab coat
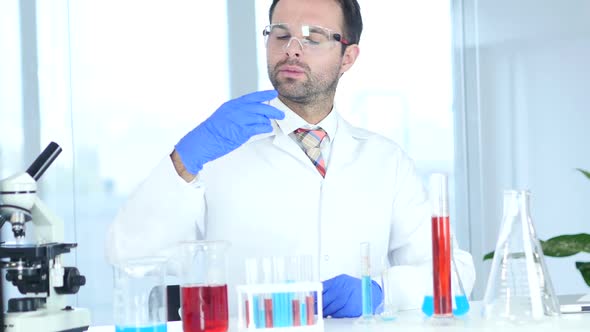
[{"x": 281, "y": 173}]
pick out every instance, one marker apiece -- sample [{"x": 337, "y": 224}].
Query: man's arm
[
  {"x": 163, "y": 210},
  {"x": 180, "y": 169}
]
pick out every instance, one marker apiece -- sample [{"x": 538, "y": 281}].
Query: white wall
[{"x": 528, "y": 92}]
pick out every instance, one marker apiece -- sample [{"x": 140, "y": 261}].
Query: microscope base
[{"x": 43, "y": 320}]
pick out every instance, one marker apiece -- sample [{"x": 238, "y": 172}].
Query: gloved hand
[
  {"x": 230, "y": 126},
  {"x": 342, "y": 296}
]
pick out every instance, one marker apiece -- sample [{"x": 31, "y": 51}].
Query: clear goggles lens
[{"x": 311, "y": 38}]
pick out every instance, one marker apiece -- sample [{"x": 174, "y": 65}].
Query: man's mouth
[{"x": 291, "y": 71}]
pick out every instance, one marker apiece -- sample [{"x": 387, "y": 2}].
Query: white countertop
[{"x": 416, "y": 321}]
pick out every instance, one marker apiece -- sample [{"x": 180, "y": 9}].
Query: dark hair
[{"x": 353, "y": 22}]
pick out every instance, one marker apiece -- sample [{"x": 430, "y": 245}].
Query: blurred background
[{"x": 493, "y": 92}]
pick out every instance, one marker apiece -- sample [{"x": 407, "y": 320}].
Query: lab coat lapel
[{"x": 344, "y": 147}]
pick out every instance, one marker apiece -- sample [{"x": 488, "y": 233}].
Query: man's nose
[{"x": 294, "y": 49}]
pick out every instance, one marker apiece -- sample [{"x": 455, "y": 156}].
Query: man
[{"x": 254, "y": 174}]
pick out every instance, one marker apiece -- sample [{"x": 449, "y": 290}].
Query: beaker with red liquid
[{"x": 203, "y": 291}]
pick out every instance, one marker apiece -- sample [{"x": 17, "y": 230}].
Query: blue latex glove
[
  {"x": 342, "y": 296},
  {"x": 230, "y": 126}
]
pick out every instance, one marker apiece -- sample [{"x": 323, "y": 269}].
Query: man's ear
[{"x": 349, "y": 57}]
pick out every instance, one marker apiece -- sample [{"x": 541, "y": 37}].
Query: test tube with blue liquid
[{"x": 366, "y": 286}]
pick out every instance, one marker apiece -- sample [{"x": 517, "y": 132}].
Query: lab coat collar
[
  {"x": 344, "y": 138},
  {"x": 331, "y": 124},
  {"x": 293, "y": 121}
]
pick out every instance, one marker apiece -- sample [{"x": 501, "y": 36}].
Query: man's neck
[{"x": 313, "y": 112}]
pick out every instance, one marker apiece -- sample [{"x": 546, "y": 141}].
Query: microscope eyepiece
[{"x": 40, "y": 165}]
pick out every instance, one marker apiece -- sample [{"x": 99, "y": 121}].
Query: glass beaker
[
  {"x": 203, "y": 290},
  {"x": 139, "y": 295},
  {"x": 519, "y": 287}
]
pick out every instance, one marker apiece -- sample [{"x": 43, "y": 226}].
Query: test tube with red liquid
[{"x": 441, "y": 246}]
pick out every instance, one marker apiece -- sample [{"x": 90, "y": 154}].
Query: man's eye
[
  {"x": 311, "y": 41},
  {"x": 283, "y": 37}
]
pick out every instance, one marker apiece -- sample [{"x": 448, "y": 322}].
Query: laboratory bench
[{"x": 414, "y": 320}]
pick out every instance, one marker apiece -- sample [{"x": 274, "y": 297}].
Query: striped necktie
[{"x": 311, "y": 140}]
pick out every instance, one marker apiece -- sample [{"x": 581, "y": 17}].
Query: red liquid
[
  {"x": 296, "y": 313},
  {"x": 247, "y": 314},
  {"x": 268, "y": 312},
  {"x": 310, "y": 309},
  {"x": 204, "y": 309},
  {"x": 441, "y": 266}
]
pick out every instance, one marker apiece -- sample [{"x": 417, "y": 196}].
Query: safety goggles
[{"x": 314, "y": 39}]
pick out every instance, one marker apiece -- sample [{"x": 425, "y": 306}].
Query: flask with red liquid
[{"x": 203, "y": 292}]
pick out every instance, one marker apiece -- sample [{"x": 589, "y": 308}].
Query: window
[
  {"x": 130, "y": 78},
  {"x": 10, "y": 89}
]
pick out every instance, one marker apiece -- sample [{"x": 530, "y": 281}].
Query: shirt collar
[{"x": 293, "y": 121}]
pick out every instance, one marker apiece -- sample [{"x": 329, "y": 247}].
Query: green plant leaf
[
  {"x": 584, "y": 268},
  {"x": 561, "y": 246},
  {"x": 566, "y": 245},
  {"x": 584, "y": 172}
]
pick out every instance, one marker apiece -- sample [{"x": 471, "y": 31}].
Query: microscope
[{"x": 36, "y": 269}]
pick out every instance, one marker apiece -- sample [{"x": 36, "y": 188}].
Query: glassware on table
[
  {"x": 519, "y": 287},
  {"x": 139, "y": 295},
  {"x": 203, "y": 289},
  {"x": 280, "y": 294},
  {"x": 388, "y": 309},
  {"x": 441, "y": 247},
  {"x": 447, "y": 298},
  {"x": 366, "y": 286}
]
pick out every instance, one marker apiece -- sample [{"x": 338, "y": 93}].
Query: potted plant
[{"x": 567, "y": 245}]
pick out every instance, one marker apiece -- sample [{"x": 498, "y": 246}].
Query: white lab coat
[{"x": 267, "y": 199}]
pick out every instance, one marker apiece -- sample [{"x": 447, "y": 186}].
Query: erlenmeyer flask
[{"x": 519, "y": 287}]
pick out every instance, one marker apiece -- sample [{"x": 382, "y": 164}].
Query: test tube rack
[{"x": 249, "y": 295}]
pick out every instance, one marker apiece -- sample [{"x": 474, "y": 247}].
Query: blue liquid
[
  {"x": 367, "y": 301},
  {"x": 303, "y": 313},
  {"x": 460, "y": 307},
  {"x": 151, "y": 328}
]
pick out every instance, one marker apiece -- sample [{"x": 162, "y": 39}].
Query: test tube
[
  {"x": 441, "y": 246},
  {"x": 366, "y": 285},
  {"x": 307, "y": 304},
  {"x": 294, "y": 275},
  {"x": 279, "y": 305},
  {"x": 268, "y": 312},
  {"x": 251, "y": 279}
]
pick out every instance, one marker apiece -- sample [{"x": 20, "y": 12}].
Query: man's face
[{"x": 304, "y": 76}]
